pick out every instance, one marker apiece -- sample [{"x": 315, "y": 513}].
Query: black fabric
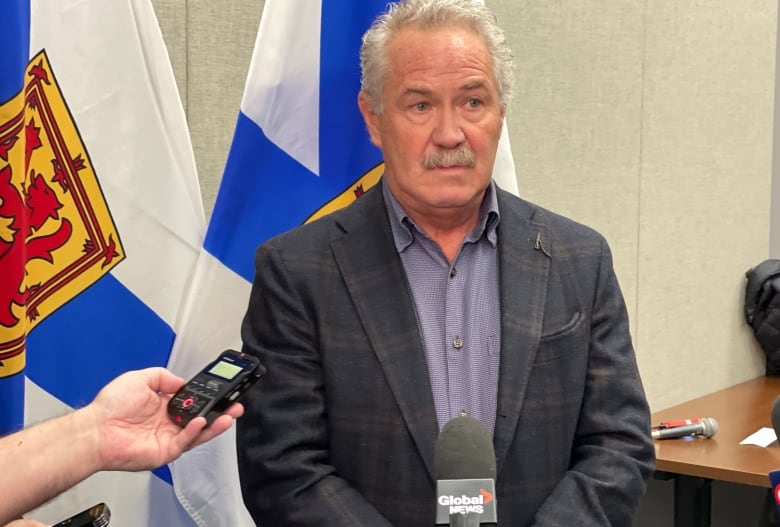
[
  {"x": 762, "y": 310},
  {"x": 769, "y": 514}
]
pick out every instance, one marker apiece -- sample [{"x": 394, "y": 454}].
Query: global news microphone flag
[
  {"x": 101, "y": 223},
  {"x": 300, "y": 150}
]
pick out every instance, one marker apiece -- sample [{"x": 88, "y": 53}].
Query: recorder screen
[{"x": 225, "y": 370}]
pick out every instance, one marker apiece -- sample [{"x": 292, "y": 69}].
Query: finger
[
  {"x": 235, "y": 410},
  {"x": 188, "y": 437},
  {"x": 195, "y": 426},
  {"x": 217, "y": 427},
  {"x": 165, "y": 381}
]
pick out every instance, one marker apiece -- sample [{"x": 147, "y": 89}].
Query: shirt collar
[{"x": 402, "y": 225}]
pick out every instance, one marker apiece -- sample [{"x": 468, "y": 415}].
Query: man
[
  {"x": 126, "y": 427},
  {"x": 433, "y": 294}
]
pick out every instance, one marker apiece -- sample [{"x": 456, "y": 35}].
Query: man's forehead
[
  {"x": 467, "y": 86},
  {"x": 442, "y": 47}
]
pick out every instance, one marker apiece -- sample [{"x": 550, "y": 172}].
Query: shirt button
[
  {"x": 452, "y": 273},
  {"x": 458, "y": 343}
]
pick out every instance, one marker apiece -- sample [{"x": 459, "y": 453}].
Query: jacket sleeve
[{"x": 282, "y": 440}]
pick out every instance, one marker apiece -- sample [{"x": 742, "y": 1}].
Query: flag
[
  {"x": 14, "y": 40},
  {"x": 300, "y": 149},
  {"x": 101, "y": 223}
]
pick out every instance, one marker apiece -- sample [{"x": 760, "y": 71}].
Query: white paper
[{"x": 763, "y": 438}]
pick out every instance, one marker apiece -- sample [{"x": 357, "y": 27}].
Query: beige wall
[
  {"x": 651, "y": 121},
  {"x": 210, "y": 44}
]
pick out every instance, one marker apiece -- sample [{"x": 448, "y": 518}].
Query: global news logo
[{"x": 466, "y": 504}]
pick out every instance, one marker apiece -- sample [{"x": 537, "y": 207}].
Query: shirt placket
[{"x": 455, "y": 341}]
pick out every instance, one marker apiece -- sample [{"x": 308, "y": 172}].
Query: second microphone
[{"x": 706, "y": 427}]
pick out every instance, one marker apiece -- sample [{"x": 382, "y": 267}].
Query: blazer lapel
[
  {"x": 374, "y": 276},
  {"x": 524, "y": 262}
]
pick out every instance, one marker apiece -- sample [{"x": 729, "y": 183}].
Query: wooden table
[{"x": 695, "y": 462}]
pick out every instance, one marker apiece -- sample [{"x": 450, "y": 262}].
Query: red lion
[{"x": 28, "y": 215}]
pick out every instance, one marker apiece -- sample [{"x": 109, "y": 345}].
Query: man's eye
[
  {"x": 473, "y": 103},
  {"x": 420, "y": 106}
]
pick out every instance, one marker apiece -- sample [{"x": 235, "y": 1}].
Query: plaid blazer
[{"x": 342, "y": 429}]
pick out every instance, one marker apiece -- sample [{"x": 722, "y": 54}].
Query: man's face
[{"x": 441, "y": 121}]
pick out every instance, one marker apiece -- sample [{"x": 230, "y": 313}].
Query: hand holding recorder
[
  {"x": 134, "y": 431},
  {"x": 126, "y": 427}
]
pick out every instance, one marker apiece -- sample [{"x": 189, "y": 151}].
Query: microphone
[
  {"x": 706, "y": 427},
  {"x": 774, "y": 480},
  {"x": 774, "y": 476},
  {"x": 680, "y": 422},
  {"x": 776, "y": 416},
  {"x": 465, "y": 464}
]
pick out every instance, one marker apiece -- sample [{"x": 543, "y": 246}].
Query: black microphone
[
  {"x": 776, "y": 416},
  {"x": 706, "y": 427},
  {"x": 774, "y": 476},
  {"x": 465, "y": 463}
]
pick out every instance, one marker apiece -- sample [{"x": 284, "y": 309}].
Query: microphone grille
[
  {"x": 464, "y": 450},
  {"x": 710, "y": 426}
]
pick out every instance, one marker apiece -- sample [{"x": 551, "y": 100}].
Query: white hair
[{"x": 432, "y": 14}]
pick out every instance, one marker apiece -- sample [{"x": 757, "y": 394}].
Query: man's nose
[{"x": 448, "y": 132}]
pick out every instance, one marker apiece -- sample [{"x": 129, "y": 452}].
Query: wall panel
[
  {"x": 575, "y": 120},
  {"x": 172, "y": 17},
  {"x": 705, "y": 177}
]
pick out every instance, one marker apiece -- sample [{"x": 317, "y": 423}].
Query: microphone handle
[
  {"x": 678, "y": 431},
  {"x": 469, "y": 519}
]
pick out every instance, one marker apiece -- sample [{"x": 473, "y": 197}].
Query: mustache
[{"x": 461, "y": 156}]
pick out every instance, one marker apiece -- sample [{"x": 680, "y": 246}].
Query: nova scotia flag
[
  {"x": 300, "y": 149},
  {"x": 101, "y": 223}
]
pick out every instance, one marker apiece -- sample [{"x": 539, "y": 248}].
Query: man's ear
[{"x": 370, "y": 117}]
